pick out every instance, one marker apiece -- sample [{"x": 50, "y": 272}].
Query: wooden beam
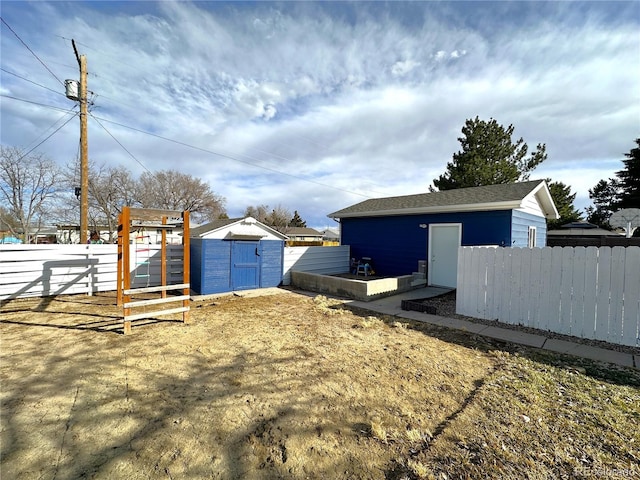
[
  {"x": 156, "y": 301},
  {"x": 177, "y": 286},
  {"x": 163, "y": 258},
  {"x": 158, "y": 313},
  {"x": 186, "y": 259},
  {"x": 152, "y": 213}
]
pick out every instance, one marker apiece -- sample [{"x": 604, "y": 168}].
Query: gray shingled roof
[
  {"x": 207, "y": 227},
  {"x": 300, "y": 231},
  {"x": 461, "y": 199}
]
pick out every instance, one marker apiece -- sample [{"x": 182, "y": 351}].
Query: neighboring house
[
  {"x": 331, "y": 236},
  {"x": 399, "y": 232},
  {"x": 148, "y": 233},
  {"x": 235, "y": 254},
  {"x": 303, "y": 235},
  {"x": 584, "y": 234}
]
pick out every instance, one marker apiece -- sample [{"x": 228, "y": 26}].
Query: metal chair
[{"x": 364, "y": 267}]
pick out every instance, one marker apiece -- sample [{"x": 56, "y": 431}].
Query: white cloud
[{"x": 341, "y": 105}]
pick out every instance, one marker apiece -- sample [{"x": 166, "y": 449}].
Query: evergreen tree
[
  {"x": 297, "y": 221},
  {"x": 563, "y": 199},
  {"x": 629, "y": 195},
  {"x": 604, "y": 196},
  {"x": 488, "y": 157},
  {"x": 623, "y": 191}
]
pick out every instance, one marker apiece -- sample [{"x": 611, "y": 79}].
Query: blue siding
[
  {"x": 216, "y": 266},
  {"x": 211, "y": 264},
  {"x": 272, "y": 262},
  {"x": 396, "y": 243},
  {"x": 520, "y": 224}
]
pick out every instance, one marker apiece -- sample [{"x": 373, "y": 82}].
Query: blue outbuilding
[
  {"x": 235, "y": 254},
  {"x": 408, "y": 233}
]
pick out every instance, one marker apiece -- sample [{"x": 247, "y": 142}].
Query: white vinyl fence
[
  {"x": 44, "y": 270},
  {"x": 320, "y": 260},
  {"x": 585, "y": 292}
]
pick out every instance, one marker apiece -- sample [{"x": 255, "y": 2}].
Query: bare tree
[
  {"x": 279, "y": 218},
  {"x": 178, "y": 191},
  {"x": 260, "y": 213},
  {"x": 27, "y": 186},
  {"x": 110, "y": 188}
]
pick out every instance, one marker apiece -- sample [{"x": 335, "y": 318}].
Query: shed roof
[
  {"x": 491, "y": 197},
  {"x": 238, "y": 228}
]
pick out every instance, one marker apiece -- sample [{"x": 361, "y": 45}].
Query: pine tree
[
  {"x": 630, "y": 179},
  {"x": 563, "y": 199},
  {"x": 297, "y": 221},
  {"x": 488, "y": 157}
]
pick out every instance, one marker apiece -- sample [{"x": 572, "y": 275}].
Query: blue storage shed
[
  {"x": 402, "y": 233},
  {"x": 235, "y": 254}
]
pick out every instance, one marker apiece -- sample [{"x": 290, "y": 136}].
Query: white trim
[
  {"x": 429, "y": 253},
  {"x": 471, "y": 207},
  {"x": 532, "y": 234}
]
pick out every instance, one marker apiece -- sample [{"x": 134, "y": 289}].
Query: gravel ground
[{"x": 446, "y": 307}]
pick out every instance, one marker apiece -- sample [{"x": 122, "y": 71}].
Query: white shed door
[{"x": 444, "y": 240}]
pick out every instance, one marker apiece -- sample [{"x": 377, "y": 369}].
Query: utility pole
[{"x": 84, "y": 146}]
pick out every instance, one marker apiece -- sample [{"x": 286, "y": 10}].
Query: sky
[{"x": 316, "y": 106}]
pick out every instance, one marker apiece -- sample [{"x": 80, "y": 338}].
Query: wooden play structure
[{"x": 132, "y": 240}]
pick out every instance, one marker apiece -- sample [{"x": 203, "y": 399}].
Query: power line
[
  {"x": 116, "y": 140},
  {"x": 52, "y": 134},
  {"x": 212, "y": 152},
  {"x": 54, "y": 124},
  {"x": 234, "y": 158},
  {"x": 34, "y": 103},
  {"x": 32, "y": 52},
  {"x": 31, "y": 81}
]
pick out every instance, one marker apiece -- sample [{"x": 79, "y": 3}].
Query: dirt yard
[{"x": 291, "y": 386}]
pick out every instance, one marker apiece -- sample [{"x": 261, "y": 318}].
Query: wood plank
[
  {"x": 525, "y": 280},
  {"x": 157, "y": 313},
  {"x": 545, "y": 307},
  {"x": 577, "y": 291},
  {"x": 555, "y": 289},
  {"x": 631, "y": 321},
  {"x": 590, "y": 292},
  {"x": 477, "y": 290},
  {"x": 603, "y": 294},
  {"x": 156, "y": 301},
  {"x": 505, "y": 289},
  {"x": 490, "y": 296},
  {"x": 159, "y": 288},
  {"x": 516, "y": 284},
  {"x": 566, "y": 284},
  {"x": 534, "y": 286},
  {"x": 153, "y": 214},
  {"x": 617, "y": 292},
  {"x": 462, "y": 287}
]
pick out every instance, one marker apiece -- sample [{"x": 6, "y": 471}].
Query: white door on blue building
[{"x": 444, "y": 240}]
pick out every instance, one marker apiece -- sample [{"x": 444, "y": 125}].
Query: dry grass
[{"x": 292, "y": 387}]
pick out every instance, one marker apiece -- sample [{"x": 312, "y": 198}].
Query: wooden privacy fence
[
  {"x": 585, "y": 292},
  {"x": 46, "y": 270}
]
